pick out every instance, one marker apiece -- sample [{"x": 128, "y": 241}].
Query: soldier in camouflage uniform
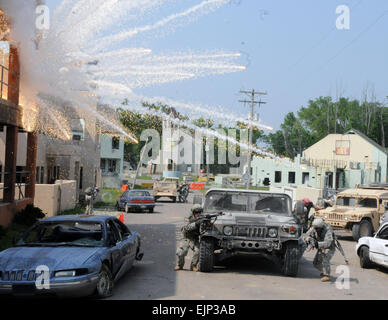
[
  {"x": 321, "y": 236},
  {"x": 190, "y": 233}
]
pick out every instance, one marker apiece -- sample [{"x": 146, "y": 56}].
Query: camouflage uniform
[
  {"x": 326, "y": 248},
  {"x": 190, "y": 233}
]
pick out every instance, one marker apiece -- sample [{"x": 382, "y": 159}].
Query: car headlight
[
  {"x": 228, "y": 230},
  {"x": 70, "y": 273},
  {"x": 289, "y": 229},
  {"x": 272, "y": 232},
  {"x": 66, "y": 273}
]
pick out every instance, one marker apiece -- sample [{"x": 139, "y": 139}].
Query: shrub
[{"x": 28, "y": 216}]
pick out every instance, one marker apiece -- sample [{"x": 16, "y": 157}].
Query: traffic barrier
[{"x": 197, "y": 186}]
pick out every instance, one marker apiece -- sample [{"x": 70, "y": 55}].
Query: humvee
[
  {"x": 250, "y": 223},
  {"x": 357, "y": 210},
  {"x": 168, "y": 187}
]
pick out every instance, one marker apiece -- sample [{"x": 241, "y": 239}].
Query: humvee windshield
[
  {"x": 346, "y": 201},
  {"x": 361, "y": 202},
  {"x": 247, "y": 202}
]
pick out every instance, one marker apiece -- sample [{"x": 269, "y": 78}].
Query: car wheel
[
  {"x": 105, "y": 283},
  {"x": 291, "y": 260},
  {"x": 173, "y": 199},
  {"x": 365, "y": 262},
  {"x": 151, "y": 210},
  {"x": 206, "y": 255},
  {"x": 362, "y": 229}
]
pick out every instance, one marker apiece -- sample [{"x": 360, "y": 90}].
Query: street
[{"x": 242, "y": 278}]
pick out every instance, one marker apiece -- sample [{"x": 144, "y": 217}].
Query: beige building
[{"x": 352, "y": 157}]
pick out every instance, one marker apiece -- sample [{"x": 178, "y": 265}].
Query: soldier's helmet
[
  {"x": 196, "y": 209},
  {"x": 318, "y": 223}
]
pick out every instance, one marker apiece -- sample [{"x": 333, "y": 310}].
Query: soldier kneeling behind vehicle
[{"x": 190, "y": 233}]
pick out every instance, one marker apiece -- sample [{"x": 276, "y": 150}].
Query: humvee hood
[
  {"x": 347, "y": 210},
  {"x": 256, "y": 218}
]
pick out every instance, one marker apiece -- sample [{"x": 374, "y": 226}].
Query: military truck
[
  {"x": 250, "y": 223},
  {"x": 168, "y": 187},
  {"x": 357, "y": 210}
]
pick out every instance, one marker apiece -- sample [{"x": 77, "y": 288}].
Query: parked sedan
[
  {"x": 136, "y": 200},
  {"x": 69, "y": 256},
  {"x": 374, "y": 250}
]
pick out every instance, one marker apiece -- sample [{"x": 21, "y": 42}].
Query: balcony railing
[
  {"x": 21, "y": 177},
  {"x": 4, "y": 85}
]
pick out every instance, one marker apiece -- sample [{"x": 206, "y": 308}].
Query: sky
[{"x": 292, "y": 50}]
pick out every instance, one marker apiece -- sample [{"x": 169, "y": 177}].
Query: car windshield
[
  {"x": 346, "y": 201},
  {"x": 367, "y": 202},
  {"x": 64, "y": 233},
  {"x": 247, "y": 202},
  {"x": 139, "y": 194}
]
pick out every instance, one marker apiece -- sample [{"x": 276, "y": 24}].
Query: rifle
[
  {"x": 339, "y": 247},
  {"x": 312, "y": 241},
  {"x": 205, "y": 221}
]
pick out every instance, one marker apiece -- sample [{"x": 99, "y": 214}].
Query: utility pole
[{"x": 252, "y": 94}]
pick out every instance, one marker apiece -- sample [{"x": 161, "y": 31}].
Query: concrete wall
[
  {"x": 55, "y": 198},
  {"x": 311, "y": 193},
  {"x": 52, "y": 198}
]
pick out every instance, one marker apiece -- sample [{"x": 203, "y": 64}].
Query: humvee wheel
[
  {"x": 365, "y": 262},
  {"x": 291, "y": 260},
  {"x": 362, "y": 229},
  {"x": 206, "y": 255}
]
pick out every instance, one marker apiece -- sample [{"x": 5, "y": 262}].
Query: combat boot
[
  {"x": 325, "y": 279},
  {"x": 177, "y": 268},
  {"x": 195, "y": 269}
]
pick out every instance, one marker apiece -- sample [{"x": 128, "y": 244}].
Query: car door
[
  {"x": 130, "y": 240},
  {"x": 379, "y": 247},
  {"x": 116, "y": 248},
  {"x": 126, "y": 247}
]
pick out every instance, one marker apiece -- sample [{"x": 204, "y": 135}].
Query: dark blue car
[
  {"x": 69, "y": 256},
  {"x": 136, "y": 200}
]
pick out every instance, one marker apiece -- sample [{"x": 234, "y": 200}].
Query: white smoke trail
[
  {"x": 205, "y": 6},
  {"x": 208, "y": 132}
]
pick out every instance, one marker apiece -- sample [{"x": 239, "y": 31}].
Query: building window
[
  {"x": 81, "y": 175},
  {"x": 1, "y": 173},
  {"x": 278, "y": 176},
  {"x": 42, "y": 175},
  {"x": 115, "y": 143},
  {"x": 102, "y": 164},
  {"x": 37, "y": 175},
  {"x": 305, "y": 178},
  {"x": 56, "y": 171},
  {"x": 112, "y": 165},
  {"x": 291, "y": 177}
]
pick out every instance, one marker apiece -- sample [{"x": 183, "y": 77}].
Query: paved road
[{"x": 253, "y": 278}]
